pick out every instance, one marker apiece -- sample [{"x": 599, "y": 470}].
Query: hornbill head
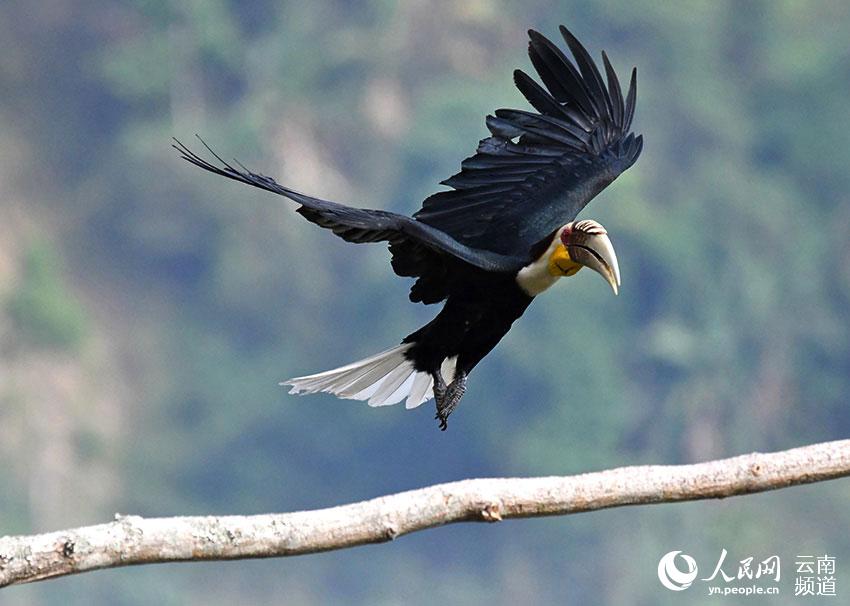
[{"x": 585, "y": 244}]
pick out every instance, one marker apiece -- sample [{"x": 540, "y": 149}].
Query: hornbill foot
[
  {"x": 448, "y": 397},
  {"x": 439, "y": 387}
]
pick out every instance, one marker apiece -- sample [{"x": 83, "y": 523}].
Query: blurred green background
[{"x": 148, "y": 310}]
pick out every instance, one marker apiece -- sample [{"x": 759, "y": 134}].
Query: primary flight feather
[{"x": 504, "y": 232}]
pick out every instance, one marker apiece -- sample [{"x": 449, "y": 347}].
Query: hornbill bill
[{"x": 505, "y": 231}]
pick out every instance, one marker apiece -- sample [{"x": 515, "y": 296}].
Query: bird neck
[{"x": 548, "y": 268}]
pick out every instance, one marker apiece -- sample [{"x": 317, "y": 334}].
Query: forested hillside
[{"x": 148, "y": 310}]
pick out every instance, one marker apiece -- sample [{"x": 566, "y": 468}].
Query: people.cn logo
[{"x": 670, "y": 575}]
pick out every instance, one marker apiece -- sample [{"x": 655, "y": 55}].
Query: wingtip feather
[{"x": 631, "y": 97}]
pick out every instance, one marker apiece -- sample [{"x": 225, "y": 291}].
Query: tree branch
[{"x": 131, "y": 540}]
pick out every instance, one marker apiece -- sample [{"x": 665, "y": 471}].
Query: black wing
[
  {"x": 420, "y": 248},
  {"x": 538, "y": 170}
]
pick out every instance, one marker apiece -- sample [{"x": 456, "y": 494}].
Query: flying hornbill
[{"x": 504, "y": 233}]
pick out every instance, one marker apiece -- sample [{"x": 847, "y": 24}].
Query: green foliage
[{"x": 43, "y": 309}]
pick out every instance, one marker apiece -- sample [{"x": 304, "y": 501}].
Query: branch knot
[{"x": 492, "y": 512}]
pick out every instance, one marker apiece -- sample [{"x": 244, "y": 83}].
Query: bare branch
[{"x": 131, "y": 540}]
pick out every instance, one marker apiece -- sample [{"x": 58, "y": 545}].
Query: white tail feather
[
  {"x": 383, "y": 379},
  {"x": 420, "y": 391}
]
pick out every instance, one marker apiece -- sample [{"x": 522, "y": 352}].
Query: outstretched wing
[
  {"x": 420, "y": 246},
  {"x": 537, "y": 171}
]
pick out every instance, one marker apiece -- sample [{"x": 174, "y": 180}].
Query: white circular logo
[{"x": 670, "y": 575}]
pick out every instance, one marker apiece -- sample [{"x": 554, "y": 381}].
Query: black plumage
[{"x": 533, "y": 174}]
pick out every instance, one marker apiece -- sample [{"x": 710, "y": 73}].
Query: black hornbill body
[{"x": 502, "y": 234}]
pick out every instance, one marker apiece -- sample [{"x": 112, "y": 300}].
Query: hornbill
[{"x": 505, "y": 231}]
